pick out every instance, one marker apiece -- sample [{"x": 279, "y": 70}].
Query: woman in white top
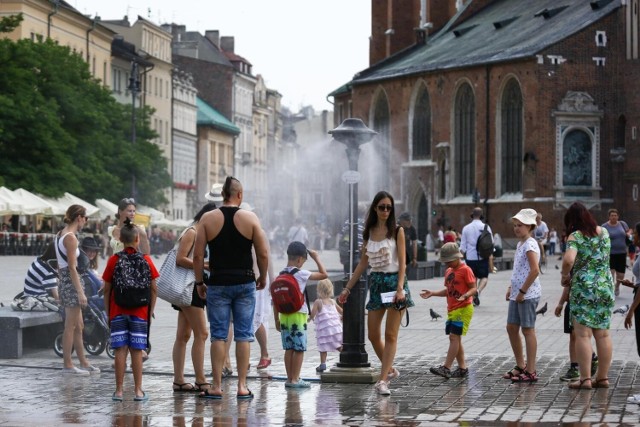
[
  {"x": 127, "y": 209},
  {"x": 384, "y": 250},
  {"x": 71, "y": 291}
]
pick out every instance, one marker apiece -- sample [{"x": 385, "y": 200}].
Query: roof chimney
[
  {"x": 213, "y": 36},
  {"x": 227, "y": 44}
]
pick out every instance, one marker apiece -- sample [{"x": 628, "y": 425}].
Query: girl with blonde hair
[{"x": 327, "y": 316}]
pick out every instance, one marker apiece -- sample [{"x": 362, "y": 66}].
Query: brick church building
[{"x": 504, "y": 104}]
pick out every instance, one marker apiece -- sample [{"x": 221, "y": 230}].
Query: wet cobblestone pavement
[{"x": 34, "y": 392}]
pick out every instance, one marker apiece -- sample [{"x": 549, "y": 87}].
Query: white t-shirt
[{"x": 521, "y": 270}]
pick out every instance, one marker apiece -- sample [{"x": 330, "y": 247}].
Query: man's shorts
[
  {"x": 458, "y": 320},
  {"x": 480, "y": 268},
  {"x": 567, "y": 319},
  {"x": 225, "y": 301},
  {"x": 293, "y": 331},
  {"x": 129, "y": 331},
  {"x": 523, "y": 313},
  {"x": 618, "y": 262}
]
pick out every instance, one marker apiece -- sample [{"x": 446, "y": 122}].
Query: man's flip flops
[
  {"x": 245, "y": 396},
  {"x": 208, "y": 395}
]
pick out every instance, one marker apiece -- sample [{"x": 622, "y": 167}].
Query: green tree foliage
[
  {"x": 10, "y": 23},
  {"x": 61, "y": 130}
]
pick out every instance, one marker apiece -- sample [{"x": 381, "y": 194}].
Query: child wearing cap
[
  {"x": 523, "y": 295},
  {"x": 460, "y": 287},
  {"x": 293, "y": 326}
]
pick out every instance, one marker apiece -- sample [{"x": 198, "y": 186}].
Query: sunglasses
[
  {"x": 129, "y": 201},
  {"x": 383, "y": 208}
]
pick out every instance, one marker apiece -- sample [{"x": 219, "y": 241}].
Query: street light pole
[
  {"x": 354, "y": 362},
  {"x": 134, "y": 87}
]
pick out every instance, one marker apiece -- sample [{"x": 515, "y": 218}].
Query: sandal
[
  {"x": 601, "y": 383},
  {"x": 514, "y": 373},
  {"x": 263, "y": 363},
  {"x": 184, "y": 388},
  {"x": 526, "y": 377},
  {"x": 226, "y": 372},
  {"x": 579, "y": 385},
  {"x": 202, "y": 386}
]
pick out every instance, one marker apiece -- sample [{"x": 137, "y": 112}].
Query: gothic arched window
[
  {"x": 464, "y": 141},
  {"x": 422, "y": 126},
  {"x": 511, "y": 138}
]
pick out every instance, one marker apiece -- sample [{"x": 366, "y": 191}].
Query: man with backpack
[
  {"x": 230, "y": 233},
  {"x": 473, "y": 247},
  {"x": 129, "y": 297}
]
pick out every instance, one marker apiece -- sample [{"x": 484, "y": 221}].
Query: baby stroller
[{"x": 96, "y": 334}]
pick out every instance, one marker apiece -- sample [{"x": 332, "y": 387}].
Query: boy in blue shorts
[
  {"x": 460, "y": 287},
  {"x": 129, "y": 325},
  {"x": 293, "y": 326}
]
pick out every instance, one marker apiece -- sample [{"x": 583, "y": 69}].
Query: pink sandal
[{"x": 264, "y": 363}]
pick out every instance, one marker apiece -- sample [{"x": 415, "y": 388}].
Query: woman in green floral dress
[{"x": 585, "y": 268}]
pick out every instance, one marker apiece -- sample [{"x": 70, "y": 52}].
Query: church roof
[{"x": 505, "y": 30}]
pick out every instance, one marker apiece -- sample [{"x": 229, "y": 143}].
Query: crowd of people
[{"x": 228, "y": 251}]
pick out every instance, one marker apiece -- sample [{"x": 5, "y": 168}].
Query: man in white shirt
[
  {"x": 468, "y": 242},
  {"x": 541, "y": 234}
]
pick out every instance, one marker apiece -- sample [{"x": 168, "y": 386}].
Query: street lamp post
[
  {"x": 354, "y": 364},
  {"x": 134, "y": 87}
]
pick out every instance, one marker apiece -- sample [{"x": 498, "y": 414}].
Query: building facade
[
  {"x": 216, "y": 142},
  {"x": 185, "y": 146},
  {"x": 510, "y": 104},
  {"x": 62, "y": 23},
  {"x": 153, "y": 44}
]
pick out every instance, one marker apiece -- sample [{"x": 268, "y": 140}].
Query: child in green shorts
[
  {"x": 460, "y": 287},
  {"x": 293, "y": 326}
]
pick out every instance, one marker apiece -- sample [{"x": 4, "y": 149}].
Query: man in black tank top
[{"x": 230, "y": 233}]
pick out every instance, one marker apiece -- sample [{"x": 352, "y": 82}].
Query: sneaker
[
  {"x": 382, "y": 387},
  {"x": 594, "y": 365},
  {"x": 476, "y": 300},
  {"x": 300, "y": 384},
  {"x": 442, "y": 370},
  {"x": 74, "y": 371},
  {"x": 91, "y": 369},
  {"x": 394, "y": 374},
  {"x": 321, "y": 367},
  {"x": 634, "y": 399},
  {"x": 572, "y": 374},
  {"x": 460, "y": 373}
]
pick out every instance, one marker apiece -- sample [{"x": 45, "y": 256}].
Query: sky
[{"x": 304, "y": 49}]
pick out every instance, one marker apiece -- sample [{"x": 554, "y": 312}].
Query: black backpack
[
  {"x": 484, "y": 245},
  {"x": 131, "y": 280}
]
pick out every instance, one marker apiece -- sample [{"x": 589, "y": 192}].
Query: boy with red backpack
[
  {"x": 292, "y": 325},
  {"x": 130, "y": 297}
]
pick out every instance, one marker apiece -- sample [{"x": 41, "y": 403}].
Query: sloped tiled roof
[
  {"x": 209, "y": 116},
  {"x": 503, "y": 31}
]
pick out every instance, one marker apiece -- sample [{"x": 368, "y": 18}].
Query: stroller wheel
[
  {"x": 95, "y": 349},
  {"x": 110, "y": 351},
  {"x": 57, "y": 345}
]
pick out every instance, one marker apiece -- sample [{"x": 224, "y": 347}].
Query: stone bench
[{"x": 41, "y": 327}]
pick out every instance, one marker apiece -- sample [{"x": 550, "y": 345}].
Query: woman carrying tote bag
[{"x": 190, "y": 318}]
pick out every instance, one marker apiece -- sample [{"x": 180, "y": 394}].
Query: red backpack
[{"x": 285, "y": 292}]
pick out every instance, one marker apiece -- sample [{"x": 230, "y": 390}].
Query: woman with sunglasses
[
  {"x": 384, "y": 250},
  {"x": 127, "y": 209}
]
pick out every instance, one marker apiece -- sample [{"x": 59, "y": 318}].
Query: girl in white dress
[{"x": 327, "y": 316}]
